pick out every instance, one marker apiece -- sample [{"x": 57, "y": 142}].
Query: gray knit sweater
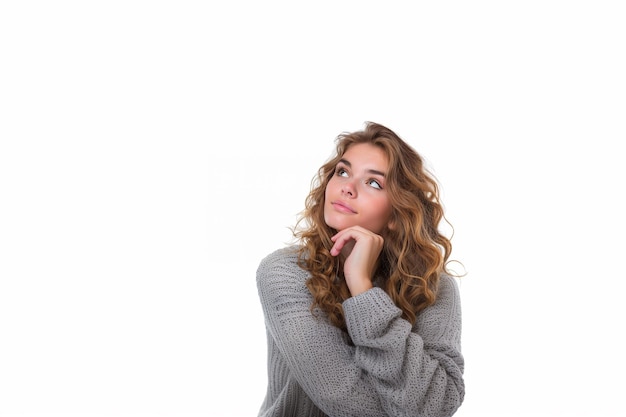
[{"x": 393, "y": 368}]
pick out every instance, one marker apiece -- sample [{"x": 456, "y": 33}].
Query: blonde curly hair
[{"x": 415, "y": 252}]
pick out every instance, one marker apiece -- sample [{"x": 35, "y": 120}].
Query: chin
[
  {"x": 338, "y": 226},
  {"x": 334, "y": 224}
]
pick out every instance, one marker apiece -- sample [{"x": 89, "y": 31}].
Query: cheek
[
  {"x": 379, "y": 215},
  {"x": 331, "y": 184},
  {"x": 385, "y": 211},
  {"x": 380, "y": 205},
  {"x": 327, "y": 192}
]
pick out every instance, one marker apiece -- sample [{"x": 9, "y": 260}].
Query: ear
[{"x": 391, "y": 224}]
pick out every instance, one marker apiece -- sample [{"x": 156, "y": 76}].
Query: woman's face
[{"x": 356, "y": 194}]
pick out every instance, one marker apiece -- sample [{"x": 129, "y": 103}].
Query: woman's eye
[
  {"x": 375, "y": 184},
  {"x": 341, "y": 172}
]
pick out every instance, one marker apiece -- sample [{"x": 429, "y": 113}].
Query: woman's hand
[{"x": 361, "y": 249}]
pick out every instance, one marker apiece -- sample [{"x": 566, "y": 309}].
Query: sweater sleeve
[
  {"x": 414, "y": 370},
  {"x": 392, "y": 370}
]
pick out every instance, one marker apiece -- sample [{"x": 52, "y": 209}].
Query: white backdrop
[{"x": 153, "y": 152}]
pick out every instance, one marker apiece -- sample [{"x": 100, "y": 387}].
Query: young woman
[{"x": 362, "y": 316}]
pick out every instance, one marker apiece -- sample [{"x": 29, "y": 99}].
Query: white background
[{"x": 152, "y": 152}]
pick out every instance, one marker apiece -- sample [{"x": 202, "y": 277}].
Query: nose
[{"x": 348, "y": 189}]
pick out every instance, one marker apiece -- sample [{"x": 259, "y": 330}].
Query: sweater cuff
[{"x": 369, "y": 314}]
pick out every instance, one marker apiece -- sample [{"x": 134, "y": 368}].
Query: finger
[
  {"x": 338, "y": 246},
  {"x": 352, "y": 229},
  {"x": 341, "y": 239}
]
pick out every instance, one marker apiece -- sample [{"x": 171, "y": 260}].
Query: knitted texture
[{"x": 393, "y": 368}]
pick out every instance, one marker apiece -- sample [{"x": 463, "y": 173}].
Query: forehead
[{"x": 366, "y": 155}]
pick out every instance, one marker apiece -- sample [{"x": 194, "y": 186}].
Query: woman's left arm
[{"x": 416, "y": 370}]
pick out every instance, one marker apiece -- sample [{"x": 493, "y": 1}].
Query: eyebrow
[{"x": 371, "y": 171}]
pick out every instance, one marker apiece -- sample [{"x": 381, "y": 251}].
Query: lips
[{"x": 343, "y": 207}]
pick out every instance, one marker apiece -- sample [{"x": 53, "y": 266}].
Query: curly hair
[{"x": 415, "y": 252}]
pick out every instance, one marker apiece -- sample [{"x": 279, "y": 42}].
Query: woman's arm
[
  {"x": 392, "y": 370},
  {"x": 415, "y": 371}
]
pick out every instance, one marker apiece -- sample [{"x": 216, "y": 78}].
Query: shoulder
[
  {"x": 448, "y": 289},
  {"x": 280, "y": 279},
  {"x": 279, "y": 266},
  {"x": 442, "y": 320},
  {"x": 286, "y": 257},
  {"x": 448, "y": 299}
]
